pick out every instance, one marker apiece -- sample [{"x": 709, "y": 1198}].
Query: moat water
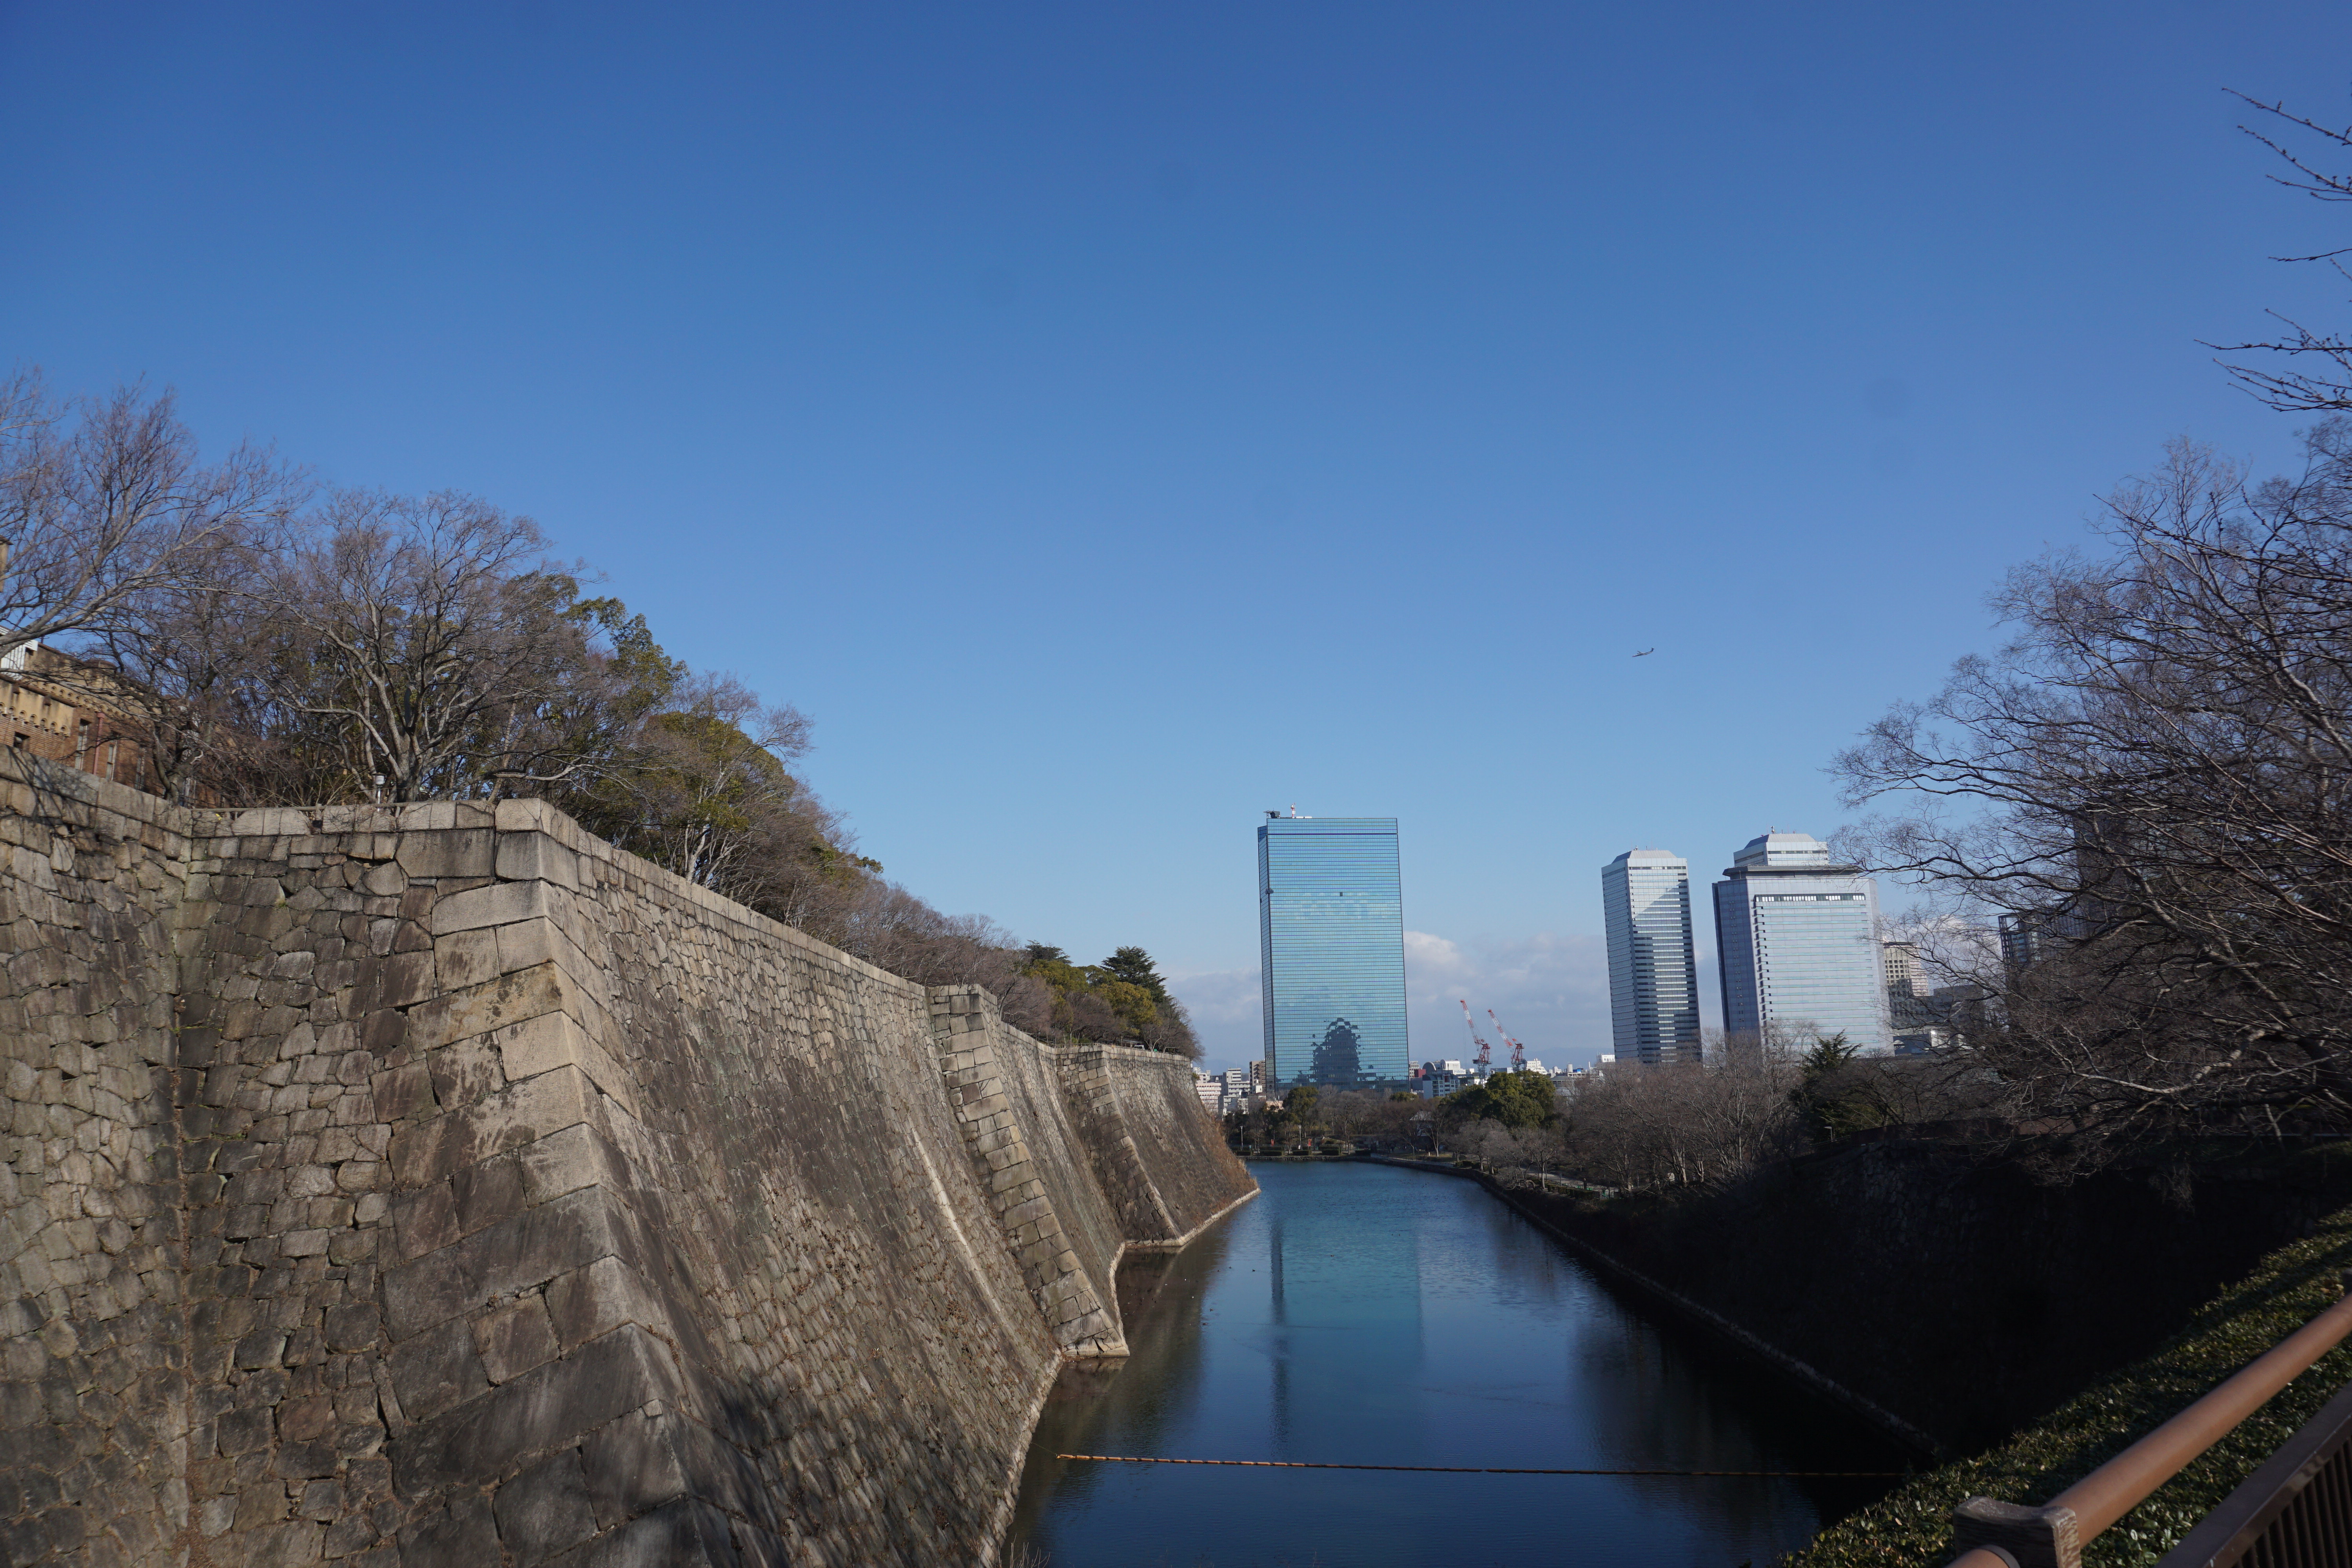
[{"x": 1365, "y": 1314}]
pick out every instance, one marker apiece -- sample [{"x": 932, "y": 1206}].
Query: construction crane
[
  {"x": 1518, "y": 1051},
  {"x": 1485, "y": 1057}
]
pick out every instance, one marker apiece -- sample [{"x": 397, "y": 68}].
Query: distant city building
[
  {"x": 1331, "y": 951},
  {"x": 1434, "y": 1079},
  {"x": 2029, "y": 936},
  {"x": 1231, "y": 1090},
  {"x": 1653, "y": 963},
  {"x": 1798, "y": 940},
  {"x": 1927, "y": 1040},
  {"x": 1907, "y": 987}
]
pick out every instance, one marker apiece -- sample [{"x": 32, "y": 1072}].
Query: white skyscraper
[
  {"x": 1798, "y": 940},
  {"x": 1653, "y": 970}
]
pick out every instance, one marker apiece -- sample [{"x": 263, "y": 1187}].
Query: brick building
[{"x": 57, "y": 707}]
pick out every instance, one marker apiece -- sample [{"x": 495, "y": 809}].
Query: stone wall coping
[{"x": 32, "y": 774}]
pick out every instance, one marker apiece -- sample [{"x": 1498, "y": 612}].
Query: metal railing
[{"x": 2299, "y": 1517}]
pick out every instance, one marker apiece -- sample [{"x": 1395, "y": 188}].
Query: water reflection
[
  {"x": 1344, "y": 1315},
  {"x": 1370, "y": 1315}
]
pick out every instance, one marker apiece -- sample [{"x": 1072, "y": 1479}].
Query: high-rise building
[
  {"x": 1652, "y": 966},
  {"x": 1907, "y": 985},
  {"x": 1331, "y": 951},
  {"x": 1797, "y": 937}
]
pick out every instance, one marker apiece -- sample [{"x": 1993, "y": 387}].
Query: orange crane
[
  {"x": 1518, "y": 1051},
  {"x": 1485, "y": 1057}
]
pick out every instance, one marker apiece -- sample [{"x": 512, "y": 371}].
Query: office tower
[
  {"x": 1798, "y": 941},
  {"x": 1653, "y": 966},
  {"x": 1331, "y": 951},
  {"x": 1907, "y": 985}
]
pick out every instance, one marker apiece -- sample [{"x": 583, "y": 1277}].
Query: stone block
[
  {"x": 462, "y": 1534},
  {"x": 304, "y": 1420},
  {"x": 545, "y": 1510},
  {"x": 531, "y": 942},
  {"x": 567, "y": 1160},
  {"x": 424, "y": 1151},
  {"x": 437, "y": 1369},
  {"x": 461, "y": 852},
  {"x": 400, "y": 979},
  {"x": 298, "y": 1461},
  {"x": 632, "y": 1465},
  {"x": 685, "y": 1534},
  {"x": 515, "y": 1337},
  {"x": 488, "y": 1193},
  {"x": 285, "y": 1545},
  {"x": 242, "y": 1431},
  {"x": 533, "y": 1247},
  {"x": 465, "y": 958},
  {"x": 466, "y": 1073},
  {"x": 551, "y": 1040},
  {"x": 491, "y": 1004},
  {"x": 259, "y": 1505},
  {"x": 498, "y": 904},
  {"x": 425, "y": 1219},
  {"x": 526, "y": 816},
  {"x": 600, "y": 1298},
  {"x": 536, "y": 857},
  {"x": 546, "y": 1407}
]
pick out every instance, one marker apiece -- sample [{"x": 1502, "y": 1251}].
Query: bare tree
[
  {"x": 2152, "y": 782},
  {"x": 104, "y": 500},
  {"x": 709, "y": 786},
  {"x": 2329, "y": 386},
  {"x": 1687, "y": 1123},
  {"x": 411, "y": 631}
]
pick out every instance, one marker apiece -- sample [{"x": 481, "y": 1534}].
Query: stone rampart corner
[{"x": 437, "y": 1185}]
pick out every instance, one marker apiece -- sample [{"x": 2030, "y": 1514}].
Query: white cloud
[
  {"x": 1552, "y": 992},
  {"x": 1226, "y": 1015}
]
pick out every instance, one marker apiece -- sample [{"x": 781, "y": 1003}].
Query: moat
[{"x": 1364, "y": 1315}]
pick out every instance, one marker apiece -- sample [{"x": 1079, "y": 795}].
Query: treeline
[
  {"x": 268, "y": 639},
  {"x": 1675, "y": 1126},
  {"x": 1122, "y": 999}
]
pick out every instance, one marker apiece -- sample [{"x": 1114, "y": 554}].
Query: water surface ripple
[{"x": 1366, "y": 1314}]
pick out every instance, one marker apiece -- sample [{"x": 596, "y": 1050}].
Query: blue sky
[{"x": 1108, "y": 422}]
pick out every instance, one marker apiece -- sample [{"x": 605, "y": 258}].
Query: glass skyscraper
[
  {"x": 1652, "y": 966},
  {"x": 1798, "y": 938},
  {"x": 1330, "y": 906}
]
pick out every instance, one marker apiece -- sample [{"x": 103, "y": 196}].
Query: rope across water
[{"x": 1486, "y": 1470}]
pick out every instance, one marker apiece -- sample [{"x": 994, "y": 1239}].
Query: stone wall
[
  {"x": 94, "y": 1410},
  {"x": 497, "y": 1197}
]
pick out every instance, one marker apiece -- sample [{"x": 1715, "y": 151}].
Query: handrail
[{"x": 2004, "y": 1535}]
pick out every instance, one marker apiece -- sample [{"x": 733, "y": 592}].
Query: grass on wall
[{"x": 1912, "y": 1525}]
